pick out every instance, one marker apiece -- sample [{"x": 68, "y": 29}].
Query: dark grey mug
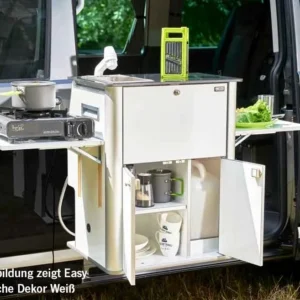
[{"x": 162, "y": 185}]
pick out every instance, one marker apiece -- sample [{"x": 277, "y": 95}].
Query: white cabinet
[
  {"x": 167, "y": 126},
  {"x": 241, "y": 216},
  {"x": 174, "y": 122},
  {"x": 242, "y": 198},
  {"x": 129, "y": 225}
]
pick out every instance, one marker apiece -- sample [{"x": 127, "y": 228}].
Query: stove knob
[
  {"x": 70, "y": 129},
  {"x": 82, "y": 129}
]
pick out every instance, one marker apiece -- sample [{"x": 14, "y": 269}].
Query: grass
[
  {"x": 233, "y": 283},
  {"x": 275, "y": 281}
]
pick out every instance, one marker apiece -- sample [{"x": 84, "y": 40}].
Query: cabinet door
[
  {"x": 174, "y": 122},
  {"x": 129, "y": 225},
  {"x": 242, "y": 194}
]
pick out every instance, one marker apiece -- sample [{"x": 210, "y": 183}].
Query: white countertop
[
  {"x": 280, "y": 126},
  {"x": 46, "y": 144}
]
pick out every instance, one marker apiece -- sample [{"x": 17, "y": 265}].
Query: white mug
[
  {"x": 169, "y": 222},
  {"x": 168, "y": 242}
]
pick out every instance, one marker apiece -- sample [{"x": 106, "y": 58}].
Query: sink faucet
[{"x": 109, "y": 61}]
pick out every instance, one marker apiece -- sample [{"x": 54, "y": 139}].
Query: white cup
[
  {"x": 168, "y": 242},
  {"x": 169, "y": 222}
]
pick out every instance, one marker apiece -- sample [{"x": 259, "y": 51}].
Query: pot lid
[
  {"x": 145, "y": 178},
  {"x": 159, "y": 171}
]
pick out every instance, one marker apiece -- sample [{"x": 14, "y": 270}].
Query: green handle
[
  {"x": 181, "y": 188},
  {"x": 11, "y": 93}
]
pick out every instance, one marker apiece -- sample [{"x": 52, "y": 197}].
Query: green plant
[
  {"x": 104, "y": 22},
  {"x": 206, "y": 20},
  {"x": 108, "y": 22}
]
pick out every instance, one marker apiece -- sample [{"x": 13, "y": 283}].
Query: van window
[
  {"x": 207, "y": 20},
  {"x": 22, "y": 39},
  {"x": 102, "y": 23}
]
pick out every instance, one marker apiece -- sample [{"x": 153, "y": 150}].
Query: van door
[{"x": 292, "y": 8}]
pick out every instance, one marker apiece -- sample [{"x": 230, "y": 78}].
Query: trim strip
[
  {"x": 36, "y": 259},
  {"x": 58, "y": 81},
  {"x": 274, "y": 22}
]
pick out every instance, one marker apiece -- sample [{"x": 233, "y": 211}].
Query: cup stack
[{"x": 168, "y": 237}]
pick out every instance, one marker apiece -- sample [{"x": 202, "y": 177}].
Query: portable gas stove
[{"x": 17, "y": 125}]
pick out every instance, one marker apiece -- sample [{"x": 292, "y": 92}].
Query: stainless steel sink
[{"x": 116, "y": 79}]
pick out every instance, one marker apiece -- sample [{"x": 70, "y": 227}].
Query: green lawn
[{"x": 276, "y": 281}]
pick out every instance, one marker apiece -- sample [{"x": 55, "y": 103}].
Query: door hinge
[{"x": 93, "y": 158}]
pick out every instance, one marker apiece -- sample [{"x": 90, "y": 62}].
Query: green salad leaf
[{"x": 259, "y": 112}]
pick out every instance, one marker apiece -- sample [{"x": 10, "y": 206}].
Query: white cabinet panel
[
  {"x": 242, "y": 194},
  {"x": 129, "y": 225},
  {"x": 174, "y": 122}
]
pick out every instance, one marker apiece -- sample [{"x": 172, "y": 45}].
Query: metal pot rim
[
  {"x": 32, "y": 83},
  {"x": 160, "y": 172}
]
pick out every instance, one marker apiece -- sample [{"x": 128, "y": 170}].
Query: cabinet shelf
[
  {"x": 158, "y": 261},
  {"x": 161, "y": 207}
]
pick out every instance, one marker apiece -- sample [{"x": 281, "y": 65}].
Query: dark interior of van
[{"x": 244, "y": 51}]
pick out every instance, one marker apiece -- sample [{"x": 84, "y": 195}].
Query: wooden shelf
[{"x": 161, "y": 207}]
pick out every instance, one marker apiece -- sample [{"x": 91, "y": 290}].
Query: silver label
[
  {"x": 219, "y": 89},
  {"x": 17, "y": 127}
]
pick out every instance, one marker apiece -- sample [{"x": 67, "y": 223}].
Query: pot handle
[
  {"x": 10, "y": 94},
  {"x": 180, "y": 180},
  {"x": 58, "y": 100},
  {"x": 21, "y": 94}
]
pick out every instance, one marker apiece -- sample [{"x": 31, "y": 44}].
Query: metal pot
[
  {"x": 162, "y": 185},
  {"x": 34, "y": 95}
]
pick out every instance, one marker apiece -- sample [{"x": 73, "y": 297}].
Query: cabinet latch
[
  {"x": 256, "y": 173},
  {"x": 137, "y": 184}
]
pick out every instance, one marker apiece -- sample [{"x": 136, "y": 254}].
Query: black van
[{"x": 258, "y": 41}]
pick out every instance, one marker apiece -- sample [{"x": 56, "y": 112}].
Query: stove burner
[
  {"x": 21, "y": 125},
  {"x": 32, "y": 114}
]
